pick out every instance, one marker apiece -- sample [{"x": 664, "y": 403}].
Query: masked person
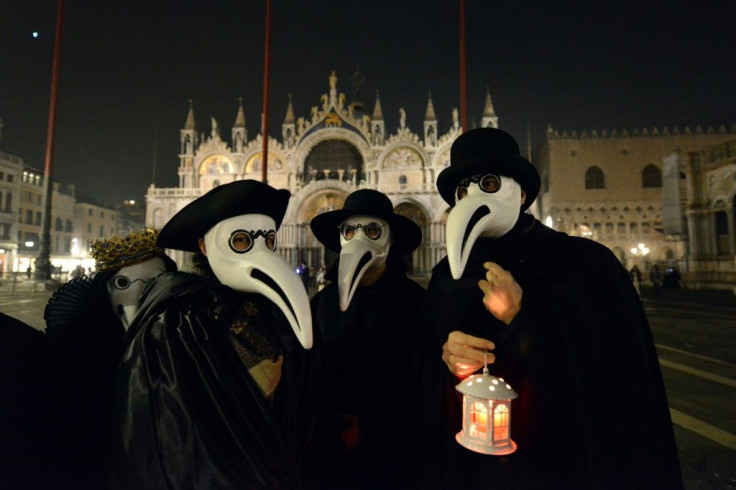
[
  {"x": 86, "y": 320},
  {"x": 560, "y": 321},
  {"x": 216, "y": 387},
  {"x": 367, "y": 317}
]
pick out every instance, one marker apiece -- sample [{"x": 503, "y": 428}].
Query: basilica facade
[{"x": 320, "y": 160}]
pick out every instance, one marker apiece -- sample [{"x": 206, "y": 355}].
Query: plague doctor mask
[
  {"x": 364, "y": 246},
  {"x": 485, "y": 205},
  {"x": 241, "y": 252},
  {"x": 127, "y": 285}
]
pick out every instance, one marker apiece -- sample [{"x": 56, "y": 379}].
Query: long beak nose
[
  {"x": 465, "y": 223},
  {"x": 128, "y": 314},
  {"x": 284, "y": 288},
  {"x": 355, "y": 258}
]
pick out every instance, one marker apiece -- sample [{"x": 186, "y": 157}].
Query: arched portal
[
  {"x": 334, "y": 159},
  {"x": 313, "y": 253},
  {"x": 420, "y": 259}
]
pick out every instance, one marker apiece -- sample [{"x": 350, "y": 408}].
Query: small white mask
[
  {"x": 127, "y": 285},
  {"x": 241, "y": 252},
  {"x": 364, "y": 246},
  {"x": 488, "y": 206}
]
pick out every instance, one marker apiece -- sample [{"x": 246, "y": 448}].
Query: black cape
[
  {"x": 592, "y": 410},
  {"x": 366, "y": 352},
  {"x": 35, "y": 438},
  {"x": 188, "y": 413}
]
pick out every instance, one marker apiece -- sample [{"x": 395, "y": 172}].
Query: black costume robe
[
  {"x": 369, "y": 386},
  {"x": 592, "y": 410},
  {"x": 188, "y": 412}
]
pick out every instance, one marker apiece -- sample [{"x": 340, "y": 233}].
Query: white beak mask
[
  {"x": 485, "y": 205},
  {"x": 241, "y": 252},
  {"x": 364, "y": 245},
  {"x": 127, "y": 285}
]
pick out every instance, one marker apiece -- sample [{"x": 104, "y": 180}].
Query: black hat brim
[
  {"x": 186, "y": 227},
  {"x": 406, "y": 233},
  {"x": 513, "y": 166}
]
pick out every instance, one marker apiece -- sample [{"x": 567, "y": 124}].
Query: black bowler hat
[
  {"x": 487, "y": 150},
  {"x": 405, "y": 232},
  {"x": 225, "y": 201}
]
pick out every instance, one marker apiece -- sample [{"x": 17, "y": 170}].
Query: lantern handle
[{"x": 485, "y": 363}]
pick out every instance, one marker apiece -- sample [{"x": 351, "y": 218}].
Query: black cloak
[
  {"x": 189, "y": 414},
  {"x": 592, "y": 410},
  {"x": 368, "y": 381}
]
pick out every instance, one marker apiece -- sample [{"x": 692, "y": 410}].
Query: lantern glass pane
[
  {"x": 479, "y": 420},
  {"x": 500, "y": 422}
]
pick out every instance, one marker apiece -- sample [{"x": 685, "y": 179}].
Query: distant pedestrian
[
  {"x": 29, "y": 271},
  {"x": 321, "y": 278},
  {"x": 655, "y": 276},
  {"x": 636, "y": 278}
]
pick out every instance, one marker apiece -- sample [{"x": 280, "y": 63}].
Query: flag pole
[
  {"x": 463, "y": 81},
  {"x": 43, "y": 261},
  {"x": 266, "y": 69}
]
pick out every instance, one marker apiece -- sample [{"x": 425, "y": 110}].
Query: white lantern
[{"x": 486, "y": 414}]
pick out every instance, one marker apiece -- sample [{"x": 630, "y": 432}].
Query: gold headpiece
[{"x": 116, "y": 252}]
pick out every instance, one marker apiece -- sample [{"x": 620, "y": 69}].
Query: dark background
[{"x": 128, "y": 69}]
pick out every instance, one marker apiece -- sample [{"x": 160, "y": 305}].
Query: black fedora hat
[
  {"x": 487, "y": 150},
  {"x": 405, "y": 232},
  {"x": 195, "y": 219}
]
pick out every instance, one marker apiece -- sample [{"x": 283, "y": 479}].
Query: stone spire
[
  {"x": 377, "y": 111},
  {"x": 430, "y": 115},
  {"x": 240, "y": 118},
  {"x": 378, "y": 128},
  {"x": 430, "y": 124},
  {"x": 189, "y": 141},
  {"x": 288, "y": 127},
  {"x": 189, "y": 125},
  {"x": 239, "y": 132},
  {"x": 289, "y": 119},
  {"x": 489, "y": 119}
]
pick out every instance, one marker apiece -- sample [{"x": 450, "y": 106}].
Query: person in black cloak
[
  {"x": 86, "y": 320},
  {"x": 566, "y": 329},
  {"x": 216, "y": 388},
  {"x": 33, "y": 412},
  {"x": 367, "y": 316}
]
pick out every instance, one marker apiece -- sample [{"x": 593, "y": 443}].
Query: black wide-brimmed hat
[
  {"x": 405, "y": 232},
  {"x": 487, "y": 150},
  {"x": 190, "y": 224}
]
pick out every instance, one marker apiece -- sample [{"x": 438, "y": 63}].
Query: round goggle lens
[
  {"x": 121, "y": 282},
  {"x": 241, "y": 241}
]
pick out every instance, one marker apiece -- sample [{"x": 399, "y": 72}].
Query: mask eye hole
[
  {"x": 348, "y": 231},
  {"x": 241, "y": 241},
  {"x": 372, "y": 230},
  {"x": 490, "y": 183},
  {"x": 460, "y": 192},
  {"x": 121, "y": 282},
  {"x": 270, "y": 238}
]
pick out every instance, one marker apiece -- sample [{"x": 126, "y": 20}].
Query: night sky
[{"x": 128, "y": 69}]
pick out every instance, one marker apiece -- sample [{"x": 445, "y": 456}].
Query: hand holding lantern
[{"x": 464, "y": 354}]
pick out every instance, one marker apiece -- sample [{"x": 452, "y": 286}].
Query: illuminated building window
[
  {"x": 594, "y": 178},
  {"x": 651, "y": 176}
]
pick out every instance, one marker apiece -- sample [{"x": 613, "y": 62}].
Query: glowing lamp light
[{"x": 486, "y": 414}]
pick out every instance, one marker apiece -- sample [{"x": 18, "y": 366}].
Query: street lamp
[{"x": 640, "y": 250}]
